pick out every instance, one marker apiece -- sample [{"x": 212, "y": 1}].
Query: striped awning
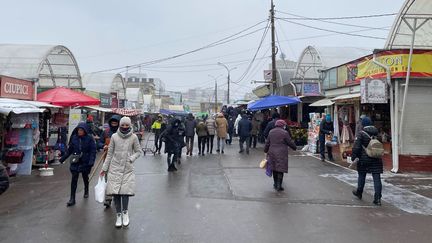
[{"x": 126, "y": 112}]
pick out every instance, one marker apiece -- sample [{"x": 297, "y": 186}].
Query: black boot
[
  {"x": 275, "y": 182},
  {"x": 357, "y": 194},
  {"x": 377, "y": 200},
  {"x": 86, "y": 192},
  {"x": 280, "y": 178},
  {"x": 71, "y": 200}
]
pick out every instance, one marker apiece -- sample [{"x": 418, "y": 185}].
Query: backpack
[{"x": 375, "y": 148}]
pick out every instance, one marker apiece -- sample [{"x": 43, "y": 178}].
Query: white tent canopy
[
  {"x": 105, "y": 83},
  {"x": 17, "y": 106},
  {"x": 51, "y": 65},
  {"x": 401, "y": 34}
]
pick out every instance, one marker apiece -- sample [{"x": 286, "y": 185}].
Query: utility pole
[
  {"x": 229, "y": 71},
  {"x": 216, "y": 101},
  {"x": 273, "y": 44}
]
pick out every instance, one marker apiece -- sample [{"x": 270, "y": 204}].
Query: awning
[
  {"x": 323, "y": 102},
  {"x": 273, "y": 101},
  {"x": 98, "y": 108},
  {"x": 66, "y": 97},
  {"x": 347, "y": 97},
  {"x": 41, "y": 104},
  {"x": 17, "y": 106},
  {"x": 126, "y": 112}
]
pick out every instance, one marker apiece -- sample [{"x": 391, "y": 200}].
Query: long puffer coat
[
  {"x": 366, "y": 164},
  {"x": 123, "y": 150},
  {"x": 211, "y": 126},
  {"x": 85, "y": 145},
  {"x": 276, "y": 148}
]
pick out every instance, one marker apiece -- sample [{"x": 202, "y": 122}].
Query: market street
[{"x": 215, "y": 198}]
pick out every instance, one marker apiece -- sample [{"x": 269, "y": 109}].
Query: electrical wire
[
  {"x": 337, "y": 23},
  {"x": 256, "y": 53},
  {"x": 334, "y": 31},
  {"x": 344, "y": 17},
  {"x": 222, "y": 41}
]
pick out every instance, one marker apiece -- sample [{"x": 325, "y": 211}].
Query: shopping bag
[
  {"x": 100, "y": 190},
  {"x": 268, "y": 171},
  {"x": 263, "y": 163}
]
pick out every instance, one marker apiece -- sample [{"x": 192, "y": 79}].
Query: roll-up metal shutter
[{"x": 417, "y": 127}]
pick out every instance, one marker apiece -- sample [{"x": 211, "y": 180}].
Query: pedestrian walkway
[{"x": 213, "y": 198}]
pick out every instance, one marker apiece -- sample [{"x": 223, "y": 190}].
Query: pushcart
[{"x": 149, "y": 145}]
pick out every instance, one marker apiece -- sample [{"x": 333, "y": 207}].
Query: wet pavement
[{"x": 223, "y": 198}]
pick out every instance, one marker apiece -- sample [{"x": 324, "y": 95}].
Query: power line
[
  {"x": 213, "y": 44},
  {"x": 334, "y": 31},
  {"x": 344, "y": 17},
  {"x": 333, "y": 22},
  {"x": 256, "y": 53}
]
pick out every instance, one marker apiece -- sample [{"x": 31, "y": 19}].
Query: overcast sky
[{"x": 105, "y": 34}]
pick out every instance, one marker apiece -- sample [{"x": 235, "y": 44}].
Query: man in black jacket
[
  {"x": 244, "y": 131},
  {"x": 271, "y": 124},
  {"x": 4, "y": 179},
  {"x": 326, "y": 128}
]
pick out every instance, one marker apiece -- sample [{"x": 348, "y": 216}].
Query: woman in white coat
[{"x": 123, "y": 150}]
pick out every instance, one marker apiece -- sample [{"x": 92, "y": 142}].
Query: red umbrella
[{"x": 66, "y": 97}]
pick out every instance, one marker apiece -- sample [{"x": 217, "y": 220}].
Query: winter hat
[
  {"x": 280, "y": 123},
  {"x": 125, "y": 120},
  {"x": 366, "y": 121},
  {"x": 328, "y": 118}
]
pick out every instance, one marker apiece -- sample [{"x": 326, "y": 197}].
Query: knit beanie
[
  {"x": 366, "y": 121},
  {"x": 125, "y": 120},
  {"x": 280, "y": 123}
]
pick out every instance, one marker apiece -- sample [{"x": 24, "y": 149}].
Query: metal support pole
[
  {"x": 395, "y": 151},
  {"x": 273, "y": 45}
]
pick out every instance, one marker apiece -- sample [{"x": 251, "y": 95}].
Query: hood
[
  {"x": 220, "y": 115},
  {"x": 371, "y": 130},
  {"x": 114, "y": 118},
  {"x": 174, "y": 121},
  {"x": 82, "y": 125}
]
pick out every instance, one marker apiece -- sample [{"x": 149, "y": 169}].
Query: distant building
[{"x": 148, "y": 85}]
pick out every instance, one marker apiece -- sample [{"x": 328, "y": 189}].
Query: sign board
[
  {"x": 268, "y": 74},
  {"x": 311, "y": 89},
  {"x": 16, "y": 88},
  {"x": 74, "y": 119},
  {"x": 115, "y": 101},
  {"x": 374, "y": 91},
  {"x": 105, "y": 100}
]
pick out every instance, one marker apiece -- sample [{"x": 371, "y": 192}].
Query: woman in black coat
[
  {"x": 83, "y": 147},
  {"x": 365, "y": 163},
  {"x": 174, "y": 142}
]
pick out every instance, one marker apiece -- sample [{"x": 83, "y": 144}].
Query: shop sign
[
  {"x": 16, "y": 88},
  {"x": 115, "y": 101},
  {"x": 373, "y": 91},
  {"x": 105, "y": 100},
  {"x": 75, "y": 118},
  {"x": 397, "y": 60},
  {"x": 311, "y": 89}
]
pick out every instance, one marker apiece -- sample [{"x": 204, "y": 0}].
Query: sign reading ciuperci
[{"x": 16, "y": 88}]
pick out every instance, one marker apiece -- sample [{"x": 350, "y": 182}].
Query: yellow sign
[{"x": 397, "y": 60}]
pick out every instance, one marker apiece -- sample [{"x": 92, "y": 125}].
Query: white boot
[
  {"x": 125, "y": 218},
  {"x": 118, "y": 223}
]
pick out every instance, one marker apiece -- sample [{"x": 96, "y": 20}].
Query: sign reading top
[
  {"x": 16, "y": 88},
  {"x": 397, "y": 60}
]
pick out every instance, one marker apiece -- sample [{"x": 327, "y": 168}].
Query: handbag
[
  {"x": 75, "y": 157},
  {"x": 263, "y": 163},
  {"x": 14, "y": 156}
]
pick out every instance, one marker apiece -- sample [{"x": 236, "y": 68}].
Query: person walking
[
  {"x": 221, "y": 131},
  {"x": 276, "y": 148},
  {"x": 211, "y": 130},
  {"x": 190, "y": 125},
  {"x": 254, "y": 133},
  {"x": 124, "y": 149},
  {"x": 113, "y": 123},
  {"x": 201, "y": 131},
  {"x": 157, "y": 130},
  {"x": 271, "y": 124},
  {"x": 244, "y": 132},
  {"x": 230, "y": 130},
  {"x": 82, "y": 149},
  {"x": 365, "y": 163},
  {"x": 326, "y": 128},
  {"x": 174, "y": 142}
]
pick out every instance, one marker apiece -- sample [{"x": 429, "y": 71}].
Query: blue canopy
[{"x": 273, "y": 101}]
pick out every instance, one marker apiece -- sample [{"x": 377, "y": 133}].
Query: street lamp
[
  {"x": 228, "y": 70},
  {"x": 216, "y": 102}
]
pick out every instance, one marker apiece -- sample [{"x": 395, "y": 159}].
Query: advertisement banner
[
  {"x": 16, "y": 88},
  {"x": 105, "y": 100},
  {"x": 397, "y": 60},
  {"x": 115, "y": 101},
  {"x": 374, "y": 91},
  {"x": 311, "y": 89}
]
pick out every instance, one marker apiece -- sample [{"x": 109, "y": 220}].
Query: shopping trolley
[{"x": 149, "y": 145}]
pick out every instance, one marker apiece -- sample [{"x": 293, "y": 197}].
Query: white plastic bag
[{"x": 100, "y": 190}]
